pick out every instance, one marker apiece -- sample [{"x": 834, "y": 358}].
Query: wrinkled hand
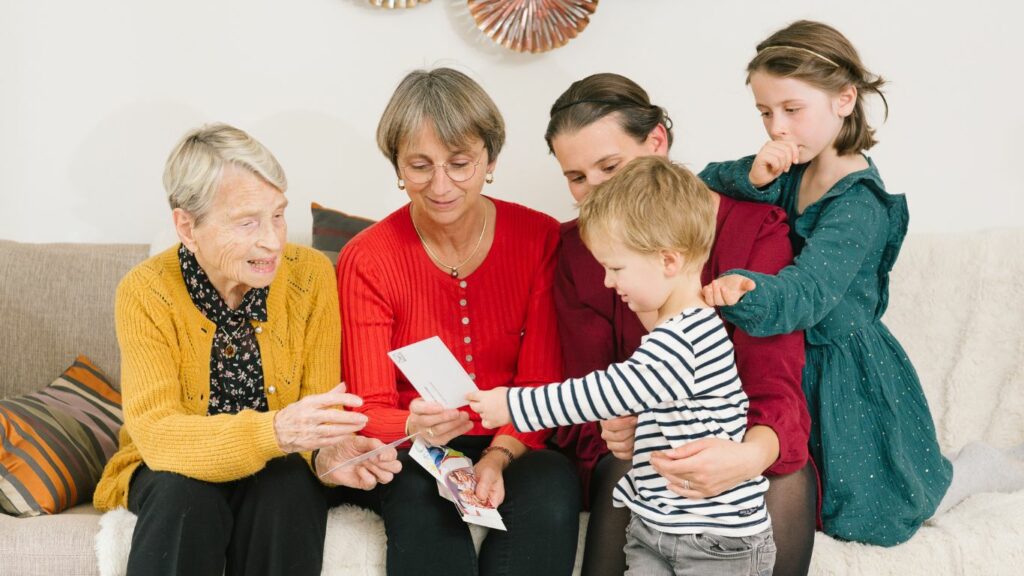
[
  {"x": 727, "y": 290},
  {"x": 491, "y": 405},
  {"x": 772, "y": 160},
  {"x": 317, "y": 421},
  {"x": 490, "y": 480},
  {"x": 436, "y": 423},
  {"x": 379, "y": 469},
  {"x": 710, "y": 465},
  {"x": 618, "y": 434}
]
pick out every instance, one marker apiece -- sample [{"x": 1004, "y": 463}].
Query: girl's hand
[
  {"x": 435, "y": 422},
  {"x": 618, "y": 434},
  {"x": 727, "y": 290},
  {"x": 490, "y": 480},
  {"x": 379, "y": 469},
  {"x": 774, "y": 158},
  {"x": 317, "y": 421},
  {"x": 491, "y": 405},
  {"x": 707, "y": 467}
]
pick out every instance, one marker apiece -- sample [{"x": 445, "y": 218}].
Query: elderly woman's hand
[
  {"x": 618, "y": 434},
  {"x": 379, "y": 469},
  {"x": 316, "y": 422},
  {"x": 435, "y": 422}
]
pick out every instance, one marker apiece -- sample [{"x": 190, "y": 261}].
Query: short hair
[
  {"x": 458, "y": 107},
  {"x": 196, "y": 165},
  {"x": 821, "y": 56},
  {"x": 652, "y": 205},
  {"x": 588, "y": 100}
]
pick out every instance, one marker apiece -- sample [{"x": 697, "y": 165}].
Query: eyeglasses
[{"x": 423, "y": 172}]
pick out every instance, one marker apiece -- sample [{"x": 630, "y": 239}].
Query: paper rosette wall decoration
[
  {"x": 397, "y": 3},
  {"x": 532, "y": 25}
]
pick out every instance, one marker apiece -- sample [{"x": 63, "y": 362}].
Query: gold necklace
[{"x": 454, "y": 269}]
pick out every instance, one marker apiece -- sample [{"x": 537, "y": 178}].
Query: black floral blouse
[{"x": 236, "y": 370}]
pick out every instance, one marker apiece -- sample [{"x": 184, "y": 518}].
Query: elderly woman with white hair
[{"x": 230, "y": 378}]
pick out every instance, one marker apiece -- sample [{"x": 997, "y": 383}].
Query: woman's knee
[
  {"x": 545, "y": 481},
  {"x": 154, "y": 495}
]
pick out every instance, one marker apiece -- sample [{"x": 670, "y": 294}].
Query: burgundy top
[{"x": 598, "y": 329}]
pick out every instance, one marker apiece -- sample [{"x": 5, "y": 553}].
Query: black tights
[{"x": 791, "y": 501}]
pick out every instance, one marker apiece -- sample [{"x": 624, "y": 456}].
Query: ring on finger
[
  {"x": 686, "y": 484},
  {"x": 430, "y": 431}
]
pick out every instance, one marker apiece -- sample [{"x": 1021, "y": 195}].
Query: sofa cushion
[
  {"x": 47, "y": 545},
  {"x": 332, "y": 229},
  {"x": 57, "y": 301},
  {"x": 55, "y": 442}
]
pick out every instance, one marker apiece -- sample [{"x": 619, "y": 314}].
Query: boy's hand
[
  {"x": 727, "y": 290},
  {"x": 772, "y": 160},
  {"x": 491, "y": 405}
]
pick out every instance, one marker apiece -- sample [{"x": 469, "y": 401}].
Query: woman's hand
[
  {"x": 618, "y": 434},
  {"x": 708, "y": 467},
  {"x": 490, "y": 479},
  {"x": 317, "y": 421},
  {"x": 727, "y": 290},
  {"x": 379, "y": 469},
  {"x": 772, "y": 160},
  {"x": 435, "y": 422},
  {"x": 491, "y": 405}
]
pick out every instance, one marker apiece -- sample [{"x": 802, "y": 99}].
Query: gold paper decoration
[
  {"x": 397, "y": 3},
  {"x": 532, "y": 25}
]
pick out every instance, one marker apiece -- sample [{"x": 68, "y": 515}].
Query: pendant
[
  {"x": 455, "y": 272},
  {"x": 229, "y": 351}
]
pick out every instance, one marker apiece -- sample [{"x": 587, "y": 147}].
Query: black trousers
[
  {"x": 273, "y": 522},
  {"x": 426, "y": 536}
]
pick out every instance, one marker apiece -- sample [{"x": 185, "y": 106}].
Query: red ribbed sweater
[{"x": 499, "y": 322}]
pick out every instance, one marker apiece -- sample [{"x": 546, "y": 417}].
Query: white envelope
[{"x": 434, "y": 372}]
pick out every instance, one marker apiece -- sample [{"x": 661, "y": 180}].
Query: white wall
[{"x": 93, "y": 95}]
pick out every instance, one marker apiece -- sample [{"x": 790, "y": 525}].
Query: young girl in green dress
[{"x": 872, "y": 435}]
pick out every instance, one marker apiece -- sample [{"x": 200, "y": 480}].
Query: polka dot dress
[{"x": 872, "y": 434}]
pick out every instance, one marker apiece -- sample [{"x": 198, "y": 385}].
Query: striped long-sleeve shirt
[{"x": 683, "y": 385}]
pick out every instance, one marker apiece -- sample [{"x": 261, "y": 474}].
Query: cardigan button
[
  {"x": 258, "y": 330},
  {"x": 271, "y": 389}
]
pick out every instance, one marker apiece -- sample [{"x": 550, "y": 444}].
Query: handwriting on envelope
[{"x": 434, "y": 372}]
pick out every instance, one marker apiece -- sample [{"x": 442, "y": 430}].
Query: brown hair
[
  {"x": 457, "y": 106},
  {"x": 596, "y": 96},
  {"x": 651, "y": 205},
  {"x": 821, "y": 56}
]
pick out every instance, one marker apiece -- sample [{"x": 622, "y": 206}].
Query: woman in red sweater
[
  {"x": 598, "y": 125},
  {"x": 478, "y": 273}
]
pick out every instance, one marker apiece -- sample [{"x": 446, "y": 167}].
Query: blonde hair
[
  {"x": 195, "y": 166},
  {"x": 457, "y": 106},
  {"x": 652, "y": 205},
  {"x": 821, "y": 56}
]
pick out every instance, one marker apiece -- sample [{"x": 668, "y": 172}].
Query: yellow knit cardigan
[{"x": 165, "y": 346}]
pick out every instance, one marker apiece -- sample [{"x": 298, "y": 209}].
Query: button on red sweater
[
  {"x": 598, "y": 329},
  {"x": 499, "y": 322}
]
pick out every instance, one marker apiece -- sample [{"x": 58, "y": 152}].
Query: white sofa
[{"x": 955, "y": 305}]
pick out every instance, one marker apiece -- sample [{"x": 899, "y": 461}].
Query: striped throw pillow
[
  {"x": 56, "y": 441},
  {"x": 332, "y": 229}
]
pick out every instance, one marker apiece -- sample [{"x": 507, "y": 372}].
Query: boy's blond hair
[{"x": 652, "y": 205}]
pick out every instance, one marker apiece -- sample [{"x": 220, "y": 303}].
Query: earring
[
  {"x": 401, "y": 184},
  {"x": 489, "y": 178}
]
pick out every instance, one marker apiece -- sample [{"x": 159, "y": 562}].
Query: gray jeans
[{"x": 653, "y": 553}]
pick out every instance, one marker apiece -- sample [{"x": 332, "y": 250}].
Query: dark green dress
[{"x": 872, "y": 435}]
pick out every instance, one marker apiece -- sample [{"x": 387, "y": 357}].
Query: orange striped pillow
[{"x": 55, "y": 442}]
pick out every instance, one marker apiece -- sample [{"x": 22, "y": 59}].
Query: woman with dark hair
[{"x": 598, "y": 125}]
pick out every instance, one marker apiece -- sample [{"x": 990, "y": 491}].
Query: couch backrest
[
  {"x": 56, "y": 302},
  {"x": 957, "y": 306}
]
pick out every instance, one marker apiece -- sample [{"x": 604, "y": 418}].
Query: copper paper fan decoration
[
  {"x": 397, "y": 3},
  {"x": 532, "y": 25}
]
